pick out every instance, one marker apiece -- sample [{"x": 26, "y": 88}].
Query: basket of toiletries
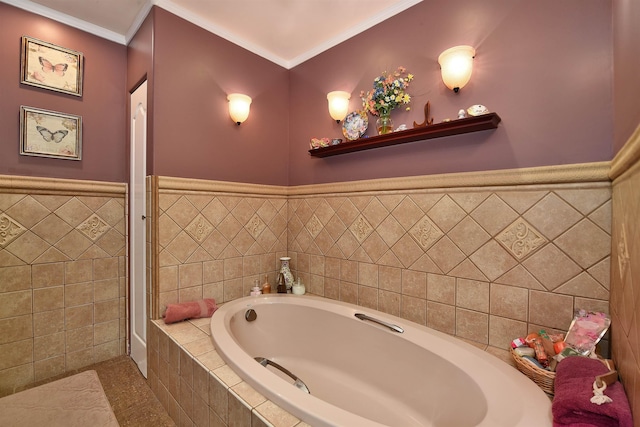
[{"x": 538, "y": 353}]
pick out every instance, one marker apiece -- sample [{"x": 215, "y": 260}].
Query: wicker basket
[{"x": 543, "y": 378}]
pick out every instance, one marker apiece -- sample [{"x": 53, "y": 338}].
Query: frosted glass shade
[
  {"x": 239, "y": 107},
  {"x": 456, "y": 65},
  {"x": 338, "y": 104}
]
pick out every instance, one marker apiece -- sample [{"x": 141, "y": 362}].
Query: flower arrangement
[{"x": 389, "y": 92}]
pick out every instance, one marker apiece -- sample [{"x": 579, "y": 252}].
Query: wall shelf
[{"x": 454, "y": 127}]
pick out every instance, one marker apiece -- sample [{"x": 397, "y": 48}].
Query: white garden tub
[{"x": 362, "y": 373}]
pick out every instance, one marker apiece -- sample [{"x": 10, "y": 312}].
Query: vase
[
  {"x": 286, "y": 272},
  {"x": 384, "y": 124}
]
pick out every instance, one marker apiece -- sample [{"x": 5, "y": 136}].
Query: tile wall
[
  {"x": 215, "y": 244},
  {"x": 625, "y": 270},
  {"x": 485, "y": 264},
  {"x": 62, "y": 277},
  {"x": 197, "y": 388},
  {"x": 480, "y": 261}
]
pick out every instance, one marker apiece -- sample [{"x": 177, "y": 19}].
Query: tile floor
[{"x": 133, "y": 402}]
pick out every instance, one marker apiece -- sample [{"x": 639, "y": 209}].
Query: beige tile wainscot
[{"x": 197, "y": 388}]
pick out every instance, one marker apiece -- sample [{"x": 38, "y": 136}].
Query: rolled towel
[
  {"x": 190, "y": 310},
  {"x": 572, "y": 406}
]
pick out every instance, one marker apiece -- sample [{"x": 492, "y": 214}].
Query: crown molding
[
  {"x": 353, "y": 31},
  {"x": 187, "y": 15},
  {"x": 63, "y": 18},
  {"x": 139, "y": 19}
]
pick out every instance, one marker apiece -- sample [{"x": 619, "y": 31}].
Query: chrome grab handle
[
  {"x": 394, "y": 328},
  {"x": 296, "y": 381}
]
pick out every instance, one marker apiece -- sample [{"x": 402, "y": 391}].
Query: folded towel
[
  {"x": 572, "y": 406},
  {"x": 190, "y": 310}
]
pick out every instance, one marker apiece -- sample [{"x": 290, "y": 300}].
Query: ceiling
[{"x": 286, "y": 32}]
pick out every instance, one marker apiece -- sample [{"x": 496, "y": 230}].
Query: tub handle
[
  {"x": 394, "y": 328},
  {"x": 296, "y": 381}
]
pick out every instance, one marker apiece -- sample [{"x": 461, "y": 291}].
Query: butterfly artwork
[
  {"x": 46, "y": 133},
  {"x": 49, "y": 136},
  {"x": 52, "y": 67},
  {"x": 48, "y": 67}
]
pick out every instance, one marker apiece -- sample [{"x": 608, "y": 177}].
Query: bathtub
[{"x": 371, "y": 370}]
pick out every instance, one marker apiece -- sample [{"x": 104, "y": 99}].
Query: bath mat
[{"x": 78, "y": 400}]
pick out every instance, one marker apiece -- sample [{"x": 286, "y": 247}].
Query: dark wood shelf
[{"x": 454, "y": 127}]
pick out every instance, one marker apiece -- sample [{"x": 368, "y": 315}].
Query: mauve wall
[
  {"x": 102, "y": 105},
  {"x": 194, "y": 137},
  {"x": 140, "y": 68},
  {"x": 544, "y": 67},
  {"x": 626, "y": 68}
]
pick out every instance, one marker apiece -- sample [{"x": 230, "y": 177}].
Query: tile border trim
[
  {"x": 38, "y": 185},
  {"x": 628, "y": 155},
  {"x": 557, "y": 174}
]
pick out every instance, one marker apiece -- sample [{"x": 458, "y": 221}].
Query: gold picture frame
[
  {"x": 52, "y": 67},
  {"x": 45, "y": 133}
]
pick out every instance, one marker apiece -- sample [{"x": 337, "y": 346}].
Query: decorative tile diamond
[
  {"x": 93, "y": 227},
  {"x": 623, "y": 251},
  {"x": 361, "y": 228},
  {"x": 314, "y": 226},
  {"x": 255, "y": 226},
  {"x": 425, "y": 233},
  {"x": 9, "y": 230},
  {"x": 521, "y": 239},
  {"x": 199, "y": 228}
]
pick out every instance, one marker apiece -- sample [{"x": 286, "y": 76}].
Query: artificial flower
[{"x": 389, "y": 92}]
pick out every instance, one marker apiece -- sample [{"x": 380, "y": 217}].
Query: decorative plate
[
  {"x": 355, "y": 125},
  {"x": 477, "y": 110}
]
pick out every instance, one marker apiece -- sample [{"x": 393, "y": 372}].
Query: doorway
[{"x": 137, "y": 223}]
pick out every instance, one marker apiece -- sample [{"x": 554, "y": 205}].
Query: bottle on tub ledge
[
  {"x": 298, "y": 287},
  {"x": 255, "y": 291},
  {"x": 266, "y": 287},
  {"x": 281, "y": 283}
]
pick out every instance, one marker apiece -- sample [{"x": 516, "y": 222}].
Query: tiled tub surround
[
  {"x": 485, "y": 264},
  {"x": 216, "y": 238},
  {"x": 625, "y": 270},
  {"x": 62, "y": 277},
  {"x": 483, "y": 256},
  {"x": 197, "y": 388}
]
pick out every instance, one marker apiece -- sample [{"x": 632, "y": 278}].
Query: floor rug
[{"x": 78, "y": 400}]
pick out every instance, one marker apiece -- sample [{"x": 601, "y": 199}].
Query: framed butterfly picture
[
  {"x": 46, "y": 133},
  {"x": 51, "y": 67}
]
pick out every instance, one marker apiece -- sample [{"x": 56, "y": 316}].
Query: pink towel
[
  {"x": 572, "y": 406},
  {"x": 190, "y": 310}
]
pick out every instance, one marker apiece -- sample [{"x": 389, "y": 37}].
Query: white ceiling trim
[
  {"x": 195, "y": 19},
  {"x": 135, "y": 26},
  {"x": 169, "y": 6},
  {"x": 353, "y": 31},
  {"x": 67, "y": 19}
]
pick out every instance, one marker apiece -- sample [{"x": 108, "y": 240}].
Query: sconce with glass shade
[
  {"x": 239, "y": 105},
  {"x": 456, "y": 64},
  {"x": 338, "y": 104}
]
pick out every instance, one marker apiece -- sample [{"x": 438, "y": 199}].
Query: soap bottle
[
  {"x": 255, "y": 291},
  {"x": 266, "y": 287},
  {"x": 282, "y": 285},
  {"x": 298, "y": 287}
]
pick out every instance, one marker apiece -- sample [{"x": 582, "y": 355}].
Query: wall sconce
[
  {"x": 456, "y": 65},
  {"x": 338, "y": 104},
  {"x": 238, "y": 107}
]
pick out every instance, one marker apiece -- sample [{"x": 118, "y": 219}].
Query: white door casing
[{"x": 137, "y": 235}]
